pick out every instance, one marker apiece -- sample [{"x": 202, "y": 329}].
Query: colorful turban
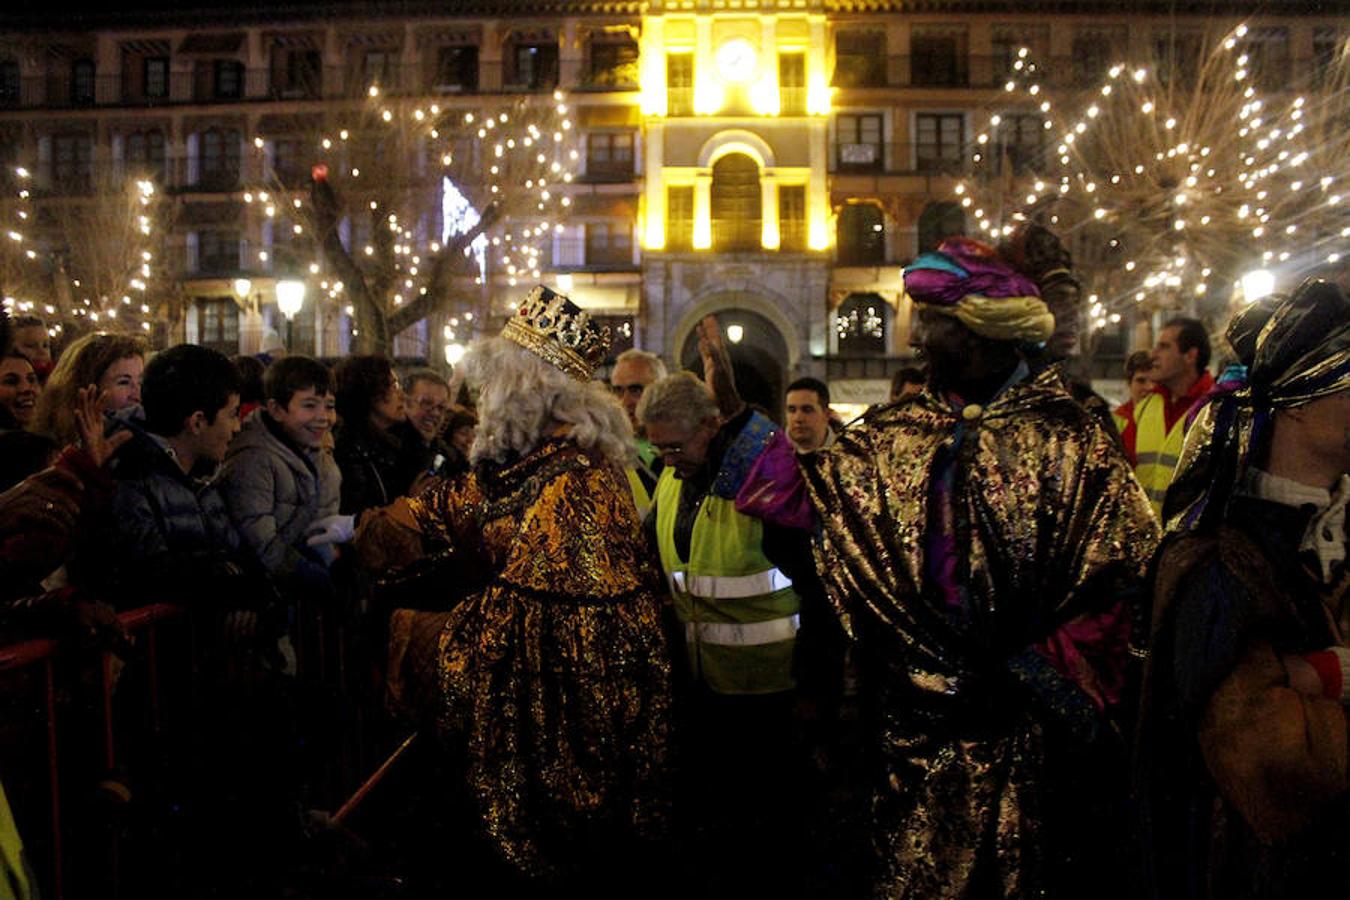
[
  {"x": 968, "y": 280},
  {"x": 1296, "y": 349}
]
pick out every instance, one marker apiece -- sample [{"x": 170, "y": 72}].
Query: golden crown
[{"x": 560, "y": 332}]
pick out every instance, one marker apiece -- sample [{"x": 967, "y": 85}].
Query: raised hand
[
  {"x": 717, "y": 370},
  {"x": 89, "y": 419}
]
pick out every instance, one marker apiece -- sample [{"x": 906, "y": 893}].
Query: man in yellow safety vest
[
  {"x": 633, "y": 371},
  {"x": 1180, "y": 380},
  {"x": 743, "y": 777}
]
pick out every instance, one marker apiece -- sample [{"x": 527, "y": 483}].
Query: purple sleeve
[{"x": 775, "y": 491}]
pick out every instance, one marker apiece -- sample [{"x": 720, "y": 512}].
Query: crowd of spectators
[{"x": 187, "y": 478}]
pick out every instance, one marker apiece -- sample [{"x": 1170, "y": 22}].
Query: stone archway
[{"x": 760, "y": 360}]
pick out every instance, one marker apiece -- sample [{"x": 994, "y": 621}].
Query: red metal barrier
[{"x": 44, "y": 652}]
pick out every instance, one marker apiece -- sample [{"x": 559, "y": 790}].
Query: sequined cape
[
  {"x": 553, "y": 682},
  {"x": 979, "y": 703}
]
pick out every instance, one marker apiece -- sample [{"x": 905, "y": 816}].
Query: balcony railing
[
  {"x": 608, "y": 172},
  {"x": 840, "y": 367},
  {"x": 897, "y": 158},
  {"x": 352, "y": 80},
  {"x": 989, "y": 71},
  {"x": 575, "y": 255},
  {"x": 332, "y": 82}
]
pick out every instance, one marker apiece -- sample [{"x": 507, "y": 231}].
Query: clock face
[{"x": 736, "y": 60}]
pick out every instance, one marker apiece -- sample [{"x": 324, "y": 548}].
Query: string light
[{"x": 1182, "y": 181}]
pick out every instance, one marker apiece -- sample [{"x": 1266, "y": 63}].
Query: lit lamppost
[
  {"x": 243, "y": 289},
  {"x": 290, "y": 298}
]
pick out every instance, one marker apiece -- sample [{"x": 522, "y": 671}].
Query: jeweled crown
[{"x": 560, "y": 332}]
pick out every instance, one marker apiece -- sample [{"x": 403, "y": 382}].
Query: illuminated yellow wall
[{"x": 735, "y": 86}]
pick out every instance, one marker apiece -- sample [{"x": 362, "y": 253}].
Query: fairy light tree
[
  {"x": 1172, "y": 188},
  {"x": 412, "y": 209},
  {"x": 90, "y": 260}
]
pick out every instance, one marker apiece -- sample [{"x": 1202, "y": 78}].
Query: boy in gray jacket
[{"x": 279, "y": 478}]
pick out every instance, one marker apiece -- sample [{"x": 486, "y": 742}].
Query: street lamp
[
  {"x": 735, "y": 333},
  {"x": 1257, "y": 284},
  {"x": 454, "y": 353},
  {"x": 290, "y": 297}
]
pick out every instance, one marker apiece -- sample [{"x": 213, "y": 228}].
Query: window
[
  {"x": 534, "y": 66},
  {"x": 938, "y": 58},
  {"x": 609, "y": 155},
  {"x": 1325, "y": 48},
  {"x": 1268, "y": 49},
  {"x": 1178, "y": 56},
  {"x": 1008, "y": 43},
  {"x": 1093, "y": 53},
  {"x": 736, "y": 208},
  {"x": 219, "y": 159},
  {"x": 861, "y": 237},
  {"x": 144, "y": 153},
  {"x": 860, "y": 323},
  {"x": 614, "y": 62},
  {"x": 860, "y": 59},
  {"x": 217, "y": 252},
  {"x": 1023, "y": 141},
  {"x": 792, "y": 218},
  {"x": 679, "y": 217},
  {"x": 10, "y": 83},
  {"x": 939, "y": 221},
  {"x": 379, "y": 67},
  {"x": 300, "y": 74},
  {"x": 82, "y": 82},
  {"x": 71, "y": 158},
  {"x": 939, "y": 138},
  {"x": 609, "y": 244},
  {"x": 792, "y": 84},
  {"x": 859, "y": 142},
  {"x": 156, "y": 72},
  {"x": 288, "y": 162},
  {"x": 680, "y": 84},
  {"x": 218, "y": 325},
  {"x": 456, "y": 70},
  {"x": 228, "y": 80}
]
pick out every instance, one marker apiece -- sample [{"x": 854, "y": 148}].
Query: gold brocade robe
[
  {"x": 982, "y": 690},
  {"x": 553, "y": 680}
]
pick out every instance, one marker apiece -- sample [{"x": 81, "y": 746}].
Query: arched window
[
  {"x": 861, "y": 235},
  {"x": 939, "y": 221},
  {"x": 860, "y": 323},
  {"x": 735, "y": 203}
]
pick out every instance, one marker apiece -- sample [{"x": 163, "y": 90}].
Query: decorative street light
[
  {"x": 735, "y": 333},
  {"x": 242, "y": 288},
  {"x": 290, "y": 298},
  {"x": 454, "y": 353}
]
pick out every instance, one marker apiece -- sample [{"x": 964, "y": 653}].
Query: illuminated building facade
[{"x": 774, "y": 161}]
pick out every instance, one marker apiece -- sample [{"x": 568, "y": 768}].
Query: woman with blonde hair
[{"x": 111, "y": 362}]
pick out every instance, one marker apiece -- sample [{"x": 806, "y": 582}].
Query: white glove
[{"x": 331, "y": 530}]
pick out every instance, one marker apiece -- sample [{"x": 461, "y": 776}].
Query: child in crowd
[{"x": 278, "y": 480}]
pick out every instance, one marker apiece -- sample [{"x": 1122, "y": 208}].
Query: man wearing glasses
[
  {"x": 739, "y": 614},
  {"x": 428, "y": 402},
  {"x": 633, "y": 371}
]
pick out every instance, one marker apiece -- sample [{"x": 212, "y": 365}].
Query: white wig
[{"x": 522, "y": 400}]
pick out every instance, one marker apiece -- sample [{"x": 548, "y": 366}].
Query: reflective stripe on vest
[
  {"x": 731, "y": 587},
  {"x": 746, "y": 634},
  {"x": 739, "y": 611}
]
